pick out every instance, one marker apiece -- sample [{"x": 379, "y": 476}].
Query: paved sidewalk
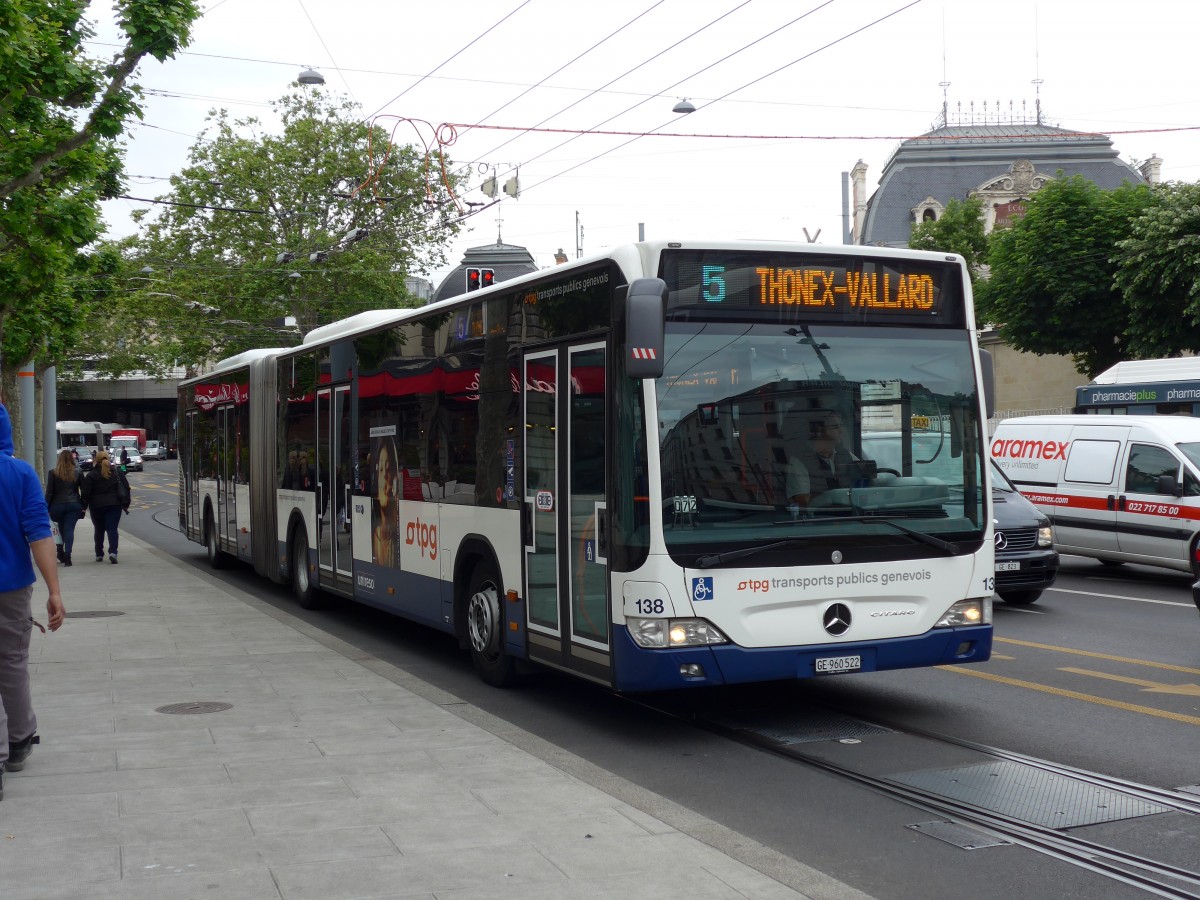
[{"x": 329, "y": 775}]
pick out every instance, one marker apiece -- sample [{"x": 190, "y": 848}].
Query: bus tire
[
  {"x": 1020, "y": 598},
  {"x": 303, "y": 587},
  {"x": 217, "y": 558},
  {"x": 485, "y": 628}
]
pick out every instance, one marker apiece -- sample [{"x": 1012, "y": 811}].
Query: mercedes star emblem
[
  {"x": 1001, "y": 540},
  {"x": 837, "y": 619}
]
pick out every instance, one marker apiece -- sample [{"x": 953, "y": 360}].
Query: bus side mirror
[
  {"x": 645, "y": 315},
  {"x": 987, "y": 369}
]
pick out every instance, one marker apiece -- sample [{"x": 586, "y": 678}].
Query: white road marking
[{"x": 1123, "y": 597}]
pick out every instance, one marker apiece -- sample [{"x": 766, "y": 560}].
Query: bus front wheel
[
  {"x": 302, "y": 583},
  {"x": 485, "y": 628}
]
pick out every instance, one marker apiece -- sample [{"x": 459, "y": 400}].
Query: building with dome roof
[{"x": 1003, "y": 162}]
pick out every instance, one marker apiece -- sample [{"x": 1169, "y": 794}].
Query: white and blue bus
[{"x": 586, "y": 468}]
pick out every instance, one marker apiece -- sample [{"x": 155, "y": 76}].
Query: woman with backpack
[
  {"x": 106, "y": 494},
  {"x": 64, "y": 484}
]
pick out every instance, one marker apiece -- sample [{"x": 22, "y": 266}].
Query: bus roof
[{"x": 635, "y": 260}]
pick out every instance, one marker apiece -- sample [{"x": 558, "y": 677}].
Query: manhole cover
[
  {"x": 94, "y": 613},
  {"x": 194, "y": 709}
]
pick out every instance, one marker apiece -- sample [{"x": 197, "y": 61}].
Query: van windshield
[
  {"x": 1192, "y": 452},
  {"x": 749, "y": 415}
]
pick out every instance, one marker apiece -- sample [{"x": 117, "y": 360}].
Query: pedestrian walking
[
  {"x": 124, "y": 457},
  {"x": 64, "y": 497},
  {"x": 24, "y": 533},
  {"x": 106, "y": 496}
]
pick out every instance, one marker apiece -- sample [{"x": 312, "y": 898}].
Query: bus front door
[{"x": 566, "y": 567}]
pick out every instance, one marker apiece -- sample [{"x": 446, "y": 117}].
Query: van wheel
[
  {"x": 302, "y": 583},
  {"x": 1192, "y": 551},
  {"x": 1020, "y": 598},
  {"x": 485, "y": 628}
]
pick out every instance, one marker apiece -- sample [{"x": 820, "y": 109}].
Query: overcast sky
[{"x": 804, "y": 87}]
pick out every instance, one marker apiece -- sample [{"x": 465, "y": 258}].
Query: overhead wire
[
  {"x": 775, "y": 71},
  {"x": 625, "y": 74},
  {"x": 454, "y": 55},
  {"x": 574, "y": 60},
  {"x": 700, "y": 71}
]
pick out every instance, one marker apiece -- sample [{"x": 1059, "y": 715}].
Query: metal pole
[
  {"x": 846, "y": 208},
  {"x": 49, "y": 417},
  {"x": 641, "y": 231},
  {"x": 25, "y": 383}
]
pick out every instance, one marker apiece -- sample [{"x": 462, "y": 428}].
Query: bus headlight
[
  {"x": 1045, "y": 536},
  {"x": 654, "y": 633},
  {"x": 967, "y": 612}
]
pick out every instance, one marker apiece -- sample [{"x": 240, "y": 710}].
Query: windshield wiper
[
  {"x": 715, "y": 559},
  {"x": 950, "y": 548}
]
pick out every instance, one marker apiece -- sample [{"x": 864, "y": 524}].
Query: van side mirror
[
  {"x": 645, "y": 318},
  {"x": 1168, "y": 484}
]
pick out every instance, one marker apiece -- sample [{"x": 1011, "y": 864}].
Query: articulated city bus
[{"x": 588, "y": 468}]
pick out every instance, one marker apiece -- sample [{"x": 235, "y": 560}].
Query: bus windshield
[{"x": 771, "y": 431}]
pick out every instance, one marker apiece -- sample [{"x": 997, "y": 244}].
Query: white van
[{"x": 1117, "y": 488}]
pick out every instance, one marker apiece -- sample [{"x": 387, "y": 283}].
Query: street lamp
[
  {"x": 684, "y": 106},
  {"x": 311, "y": 76}
]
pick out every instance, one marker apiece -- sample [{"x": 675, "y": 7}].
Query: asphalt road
[{"x": 1102, "y": 673}]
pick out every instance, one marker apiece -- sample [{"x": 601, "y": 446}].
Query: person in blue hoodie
[{"x": 24, "y": 532}]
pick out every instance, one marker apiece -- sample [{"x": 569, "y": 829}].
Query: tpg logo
[
  {"x": 755, "y": 585},
  {"x": 424, "y": 536}
]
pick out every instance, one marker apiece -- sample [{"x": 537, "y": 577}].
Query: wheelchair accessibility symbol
[{"x": 702, "y": 589}]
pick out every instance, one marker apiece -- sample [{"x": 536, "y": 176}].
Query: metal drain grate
[
  {"x": 194, "y": 709},
  {"x": 1030, "y": 794},
  {"x": 798, "y": 727},
  {"x": 963, "y": 838},
  {"x": 94, "y": 614}
]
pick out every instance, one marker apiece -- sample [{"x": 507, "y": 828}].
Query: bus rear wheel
[
  {"x": 217, "y": 558},
  {"x": 302, "y": 583},
  {"x": 485, "y": 628}
]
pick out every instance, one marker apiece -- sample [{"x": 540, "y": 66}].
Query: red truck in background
[{"x": 139, "y": 433}]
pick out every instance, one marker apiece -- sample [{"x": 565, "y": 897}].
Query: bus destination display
[{"x": 795, "y": 286}]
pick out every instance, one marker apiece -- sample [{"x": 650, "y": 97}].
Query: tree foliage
[
  {"x": 259, "y": 227},
  {"x": 61, "y": 114},
  {"x": 1051, "y": 287},
  {"x": 958, "y": 230},
  {"x": 1159, "y": 273}
]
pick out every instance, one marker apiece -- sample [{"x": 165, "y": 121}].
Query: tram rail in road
[{"x": 1004, "y": 798}]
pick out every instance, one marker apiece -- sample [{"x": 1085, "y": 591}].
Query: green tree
[
  {"x": 1158, "y": 271},
  {"x": 62, "y": 114},
  {"x": 958, "y": 230},
  {"x": 317, "y": 222},
  {"x": 1051, "y": 288}
]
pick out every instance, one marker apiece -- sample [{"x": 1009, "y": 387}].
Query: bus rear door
[
  {"x": 566, "y": 569},
  {"x": 333, "y": 488}
]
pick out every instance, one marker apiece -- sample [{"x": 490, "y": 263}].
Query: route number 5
[{"x": 713, "y": 279}]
